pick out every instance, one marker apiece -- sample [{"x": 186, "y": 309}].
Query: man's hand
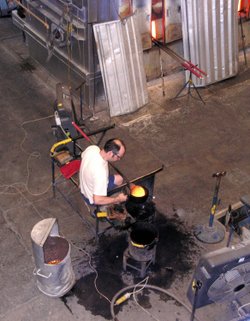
[{"x": 121, "y": 198}]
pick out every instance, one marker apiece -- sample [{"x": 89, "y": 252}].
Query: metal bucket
[
  {"x": 142, "y": 241},
  {"x": 53, "y": 271}
]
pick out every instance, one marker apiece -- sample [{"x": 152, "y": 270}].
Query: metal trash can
[{"x": 53, "y": 271}]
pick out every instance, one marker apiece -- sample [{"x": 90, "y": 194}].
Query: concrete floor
[{"x": 191, "y": 139}]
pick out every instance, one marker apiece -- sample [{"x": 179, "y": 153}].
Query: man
[{"x": 94, "y": 173}]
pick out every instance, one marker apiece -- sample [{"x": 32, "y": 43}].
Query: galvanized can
[{"x": 53, "y": 267}]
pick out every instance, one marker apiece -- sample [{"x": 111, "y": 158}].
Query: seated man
[{"x": 94, "y": 173}]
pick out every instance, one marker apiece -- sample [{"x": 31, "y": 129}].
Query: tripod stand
[
  {"x": 243, "y": 36},
  {"x": 189, "y": 85}
]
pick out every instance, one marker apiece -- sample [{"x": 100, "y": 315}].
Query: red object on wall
[{"x": 244, "y": 8}]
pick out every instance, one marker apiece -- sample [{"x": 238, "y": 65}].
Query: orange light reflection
[{"x": 153, "y": 29}]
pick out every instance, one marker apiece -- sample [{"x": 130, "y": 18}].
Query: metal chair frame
[{"x": 91, "y": 208}]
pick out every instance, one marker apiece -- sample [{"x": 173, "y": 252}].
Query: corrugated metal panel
[
  {"x": 121, "y": 60},
  {"x": 210, "y": 38}
]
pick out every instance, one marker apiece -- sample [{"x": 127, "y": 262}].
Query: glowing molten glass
[
  {"x": 54, "y": 262},
  {"x": 138, "y": 191}
]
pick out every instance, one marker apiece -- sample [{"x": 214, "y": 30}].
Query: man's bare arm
[{"x": 106, "y": 200}]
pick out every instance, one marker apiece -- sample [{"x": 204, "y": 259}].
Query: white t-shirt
[{"x": 94, "y": 172}]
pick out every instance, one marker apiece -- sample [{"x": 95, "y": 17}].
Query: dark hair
[{"x": 111, "y": 145}]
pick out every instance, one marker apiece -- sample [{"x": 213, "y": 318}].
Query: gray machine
[
  {"x": 221, "y": 275},
  {"x": 6, "y": 7},
  {"x": 60, "y": 36}
]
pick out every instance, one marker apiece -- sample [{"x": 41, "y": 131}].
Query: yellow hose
[{"x": 62, "y": 142}]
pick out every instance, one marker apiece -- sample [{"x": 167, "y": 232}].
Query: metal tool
[
  {"x": 243, "y": 36},
  {"x": 128, "y": 183},
  {"x": 188, "y": 65},
  {"x": 213, "y": 232},
  {"x": 185, "y": 63},
  {"x": 44, "y": 23},
  {"x": 215, "y": 200}
]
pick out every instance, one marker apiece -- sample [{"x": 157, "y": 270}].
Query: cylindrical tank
[{"x": 51, "y": 252}]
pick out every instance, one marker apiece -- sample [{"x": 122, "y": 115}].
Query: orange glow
[
  {"x": 239, "y": 5},
  {"x": 54, "y": 262},
  {"x": 138, "y": 191},
  {"x": 153, "y": 29}
]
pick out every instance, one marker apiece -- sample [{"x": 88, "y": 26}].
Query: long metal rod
[
  {"x": 243, "y": 39},
  {"x": 127, "y": 181},
  {"x": 215, "y": 200},
  {"x": 32, "y": 14},
  {"x": 185, "y": 63},
  {"x": 136, "y": 179},
  {"x": 162, "y": 74},
  {"x": 89, "y": 140}
]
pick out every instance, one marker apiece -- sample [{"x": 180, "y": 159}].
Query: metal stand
[
  {"x": 214, "y": 232},
  {"x": 210, "y": 234},
  {"x": 196, "y": 287},
  {"x": 243, "y": 38},
  {"x": 140, "y": 266},
  {"x": 162, "y": 74},
  {"x": 189, "y": 85}
]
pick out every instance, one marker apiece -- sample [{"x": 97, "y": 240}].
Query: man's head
[{"x": 114, "y": 149}]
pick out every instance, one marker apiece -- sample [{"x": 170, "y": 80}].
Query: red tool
[
  {"x": 81, "y": 132},
  {"x": 185, "y": 63}
]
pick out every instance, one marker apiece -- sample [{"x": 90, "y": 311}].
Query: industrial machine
[
  {"x": 6, "y": 6},
  {"x": 60, "y": 37},
  {"x": 221, "y": 275}
]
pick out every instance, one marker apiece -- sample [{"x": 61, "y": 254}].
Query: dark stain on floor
[
  {"x": 26, "y": 65},
  {"x": 175, "y": 249}
]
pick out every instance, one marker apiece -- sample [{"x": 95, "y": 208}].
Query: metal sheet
[
  {"x": 121, "y": 59},
  {"x": 173, "y": 23},
  {"x": 210, "y": 38}
]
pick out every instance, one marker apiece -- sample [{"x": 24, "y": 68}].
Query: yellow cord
[{"x": 62, "y": 142}]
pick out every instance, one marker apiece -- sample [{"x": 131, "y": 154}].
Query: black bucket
[
  {"x": 141, "y": 212},
  {"x": 142, "y": 241}
]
